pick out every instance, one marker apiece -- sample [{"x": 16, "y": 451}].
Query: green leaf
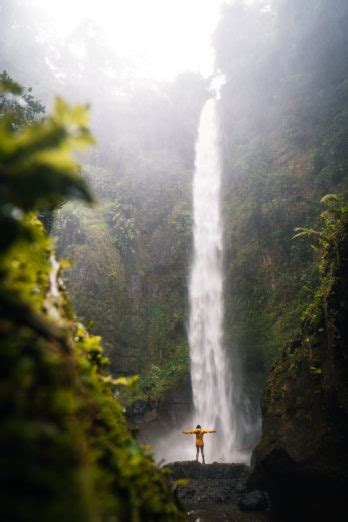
[
  {"x": 120, "y": 381},
  {"x": 328, "y": 198},
  {"x": 7, "y": 85}
]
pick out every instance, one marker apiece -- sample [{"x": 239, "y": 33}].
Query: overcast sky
[{"x": 166, "y": 36}]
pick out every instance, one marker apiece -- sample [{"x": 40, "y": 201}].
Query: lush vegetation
[
  {"x": 283, "y": 117},
  {"x": 305, "y": 402},
  {"x": 65, "y": 450},
  {"x": 135, "y": 245},
  {"x": 284, "y": 133}
]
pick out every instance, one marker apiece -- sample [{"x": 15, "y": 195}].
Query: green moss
[{"x": 305, "y": 392}]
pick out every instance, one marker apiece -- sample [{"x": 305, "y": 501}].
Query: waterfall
[
  {"x": 219, "y": 399},
  {"x": 214, "y": 394}
]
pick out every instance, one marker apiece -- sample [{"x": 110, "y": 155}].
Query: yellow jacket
[{"x": 199, "y": 435}]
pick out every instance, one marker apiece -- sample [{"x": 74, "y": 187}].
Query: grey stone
[{"x": 253, "y": 501}]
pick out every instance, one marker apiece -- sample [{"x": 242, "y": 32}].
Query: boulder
[
  {"x": 209, "y": 484},
  {"x": 253, "y": 501}
]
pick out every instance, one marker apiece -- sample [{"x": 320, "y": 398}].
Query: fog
[
  {"x": 113, "y": 55},
  {"x": 125, "y": 42}
]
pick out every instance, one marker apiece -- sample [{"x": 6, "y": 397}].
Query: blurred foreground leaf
[{"x": 37, "y": 168}]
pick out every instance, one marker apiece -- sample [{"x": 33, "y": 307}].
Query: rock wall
[
  {"x": 158, "y": 418},
  {"x": 302, "y": 458}
]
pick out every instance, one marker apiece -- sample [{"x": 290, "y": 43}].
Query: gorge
[{"x": 202, "y": 274}]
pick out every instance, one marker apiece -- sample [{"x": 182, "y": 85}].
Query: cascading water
[
  {"x": 219, "y": 402},
  {"x": 211, "y": 372}
]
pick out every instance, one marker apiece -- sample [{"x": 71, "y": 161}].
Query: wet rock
[
  {"x": 175, "y": 402},
  {"x": 158, "y": 417},
  {"x": 150, "y": 416},
  {"x": 253, "y": 501},
  {"x": 185, "y": 493},
  {"x": 209, "y": 484},
  {"x": 240, "y": 487},
  {"x": 135, "y": 413},
  {"x": 137, "y": 408}
]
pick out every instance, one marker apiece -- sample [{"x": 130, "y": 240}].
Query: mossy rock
[{"x": 302, "y": 457}]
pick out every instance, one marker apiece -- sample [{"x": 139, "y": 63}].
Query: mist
[{"x": 276, "y": 72}]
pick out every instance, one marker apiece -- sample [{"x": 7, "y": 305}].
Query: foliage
[
  {"x": 318, "y": 328},
  {"x": 122, "y": 227},
  {"x": 161, "y": 379},
  {"x": 137, "y": 295},
  {"x": 154, "y": 383},
  {"x": 65, "y": 450},
  {"x": 330, "y": 241},
  {"x": 20, "y": 102},
  {"x": 36, "y": 167}
]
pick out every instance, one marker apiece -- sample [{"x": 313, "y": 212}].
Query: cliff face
[{"x": 302, "y": 458}]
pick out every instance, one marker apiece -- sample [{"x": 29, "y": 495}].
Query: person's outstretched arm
[
  {"x": 209, "y": 431},
  {"x": 188, "y": 432}
]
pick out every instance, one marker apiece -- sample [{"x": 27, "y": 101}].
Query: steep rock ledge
[
  {"x": 218, "y": 487},
  {"x": 208, "y": 484},
  {"x": 302, "y": 458}
]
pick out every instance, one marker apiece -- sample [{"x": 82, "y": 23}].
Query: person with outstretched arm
[{"x": 199, "y": 439}]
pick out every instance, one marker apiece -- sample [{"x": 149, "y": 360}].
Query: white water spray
[{"x": 211, "y": 373}]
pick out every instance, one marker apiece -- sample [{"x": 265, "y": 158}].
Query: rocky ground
[{"x": 217, "y": 492}]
